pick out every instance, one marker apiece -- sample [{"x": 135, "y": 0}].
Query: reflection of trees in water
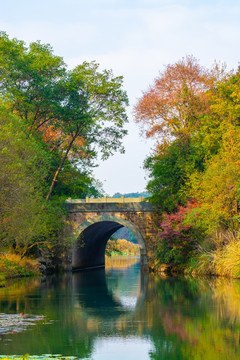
[
  {"x": 189, "y": 324},
  {"x": 184, "y": 318},
  {"x": 50, "y": 297},
  {"x": 227, "y": 294},
  {"x": 120, "y": 262},
  {"x": 82, "y": 305}
]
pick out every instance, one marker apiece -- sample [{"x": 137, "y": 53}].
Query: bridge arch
[{"x": 92, "y": 236}]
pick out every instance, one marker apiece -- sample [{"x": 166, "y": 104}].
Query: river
[{"x": 120, "y": 314}]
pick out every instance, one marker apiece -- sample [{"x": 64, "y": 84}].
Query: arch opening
[
  {"x": 92, "y": 237},
  {"x": 122, "y": 243}
]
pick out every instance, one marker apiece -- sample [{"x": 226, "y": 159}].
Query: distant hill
[
  {"x": 124, "y": 233},
  {"x": 144, "y": 194}
]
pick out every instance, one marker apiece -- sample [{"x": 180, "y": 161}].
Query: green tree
[
  {"x": 217, "y": 188},
  {"x": 168, "y": 172},
  {"x": 25, "y": 218},
  {"x": 194, "y": 114},
  {"x": 93, "y": 113},
  {"x": 29, "y": 80},
  {"x": 78, "y": 112}
]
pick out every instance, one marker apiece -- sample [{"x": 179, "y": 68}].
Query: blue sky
[{"x": 135, "y": 38}]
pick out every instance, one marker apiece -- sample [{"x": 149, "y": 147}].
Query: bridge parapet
[
  {"x": 106, "y": 199},
  {"x": 99, "y": 205}
]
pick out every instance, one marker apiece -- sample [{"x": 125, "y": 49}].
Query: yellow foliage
[
  {"x": 216, "y": 189},
  {"x": 120, "y": 262},
  {"x": 122, "y": 246},
  {"x": 226, "y": 260},
  {"x": 223, "y": 261},
  {"x": 12, "y": 265},
  {"x": 227, "y": 294}
]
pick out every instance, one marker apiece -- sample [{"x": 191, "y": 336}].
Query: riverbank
[
  {"x": 223, "y": 261},
  {"x": 13, "y": 266},
  {"x": 122, "y": 247}
]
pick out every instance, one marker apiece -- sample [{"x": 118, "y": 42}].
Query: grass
[
  {"x": 224, "y": 261},
  {"x": 12, "y": 266}
]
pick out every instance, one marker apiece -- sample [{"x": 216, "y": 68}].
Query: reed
[
  {"x": 226, "y": 260},
  {"x": 223, "y": 261}
]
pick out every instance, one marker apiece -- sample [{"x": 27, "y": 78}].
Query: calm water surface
[{"x": 121, "y": 314}]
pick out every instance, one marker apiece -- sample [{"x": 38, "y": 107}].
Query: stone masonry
[{"x": 93, "y": 221}]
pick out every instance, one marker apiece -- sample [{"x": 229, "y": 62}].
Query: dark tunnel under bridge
[{"x": 96, "y": 220}]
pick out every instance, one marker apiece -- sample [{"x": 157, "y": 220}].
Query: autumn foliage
[
  {"x": 193, "y": 113},
  {"x": 170, "y": 108},
  {"x": 122, "y": 247},
  {"x": 176, "y": 240}
]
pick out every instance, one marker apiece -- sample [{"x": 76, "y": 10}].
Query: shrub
[
  {"x": 12, "y": 265},
  {"x": 177, "y": 240}
]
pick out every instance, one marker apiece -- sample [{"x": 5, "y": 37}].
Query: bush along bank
[
  {"x": 183, "y": 247},
  {"x": 175, "y": 241},
  {"x": 13, "y": 266}
]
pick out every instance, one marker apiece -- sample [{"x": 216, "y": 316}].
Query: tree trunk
[{"x": 60, "y": 167}]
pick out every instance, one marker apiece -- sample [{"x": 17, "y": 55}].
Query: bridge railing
[{"x": 105, "y": 199}]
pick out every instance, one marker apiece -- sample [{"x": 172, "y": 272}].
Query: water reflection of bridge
[
  {"x": 196, "y": 316},
  {"x": 96, "y": 295}
]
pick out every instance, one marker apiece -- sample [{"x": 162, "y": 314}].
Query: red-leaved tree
[{"x": 176, "y": 238}]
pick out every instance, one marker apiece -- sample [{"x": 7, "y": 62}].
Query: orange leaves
[
  {"x": 51, "y": 135},
  {"x": 78, "y": 149},
  {"x": 60, "y": 141},
  {"x": 171, "y": 106}
]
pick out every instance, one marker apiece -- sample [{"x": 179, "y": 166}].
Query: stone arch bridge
[{"x": 93, "y": 221}]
